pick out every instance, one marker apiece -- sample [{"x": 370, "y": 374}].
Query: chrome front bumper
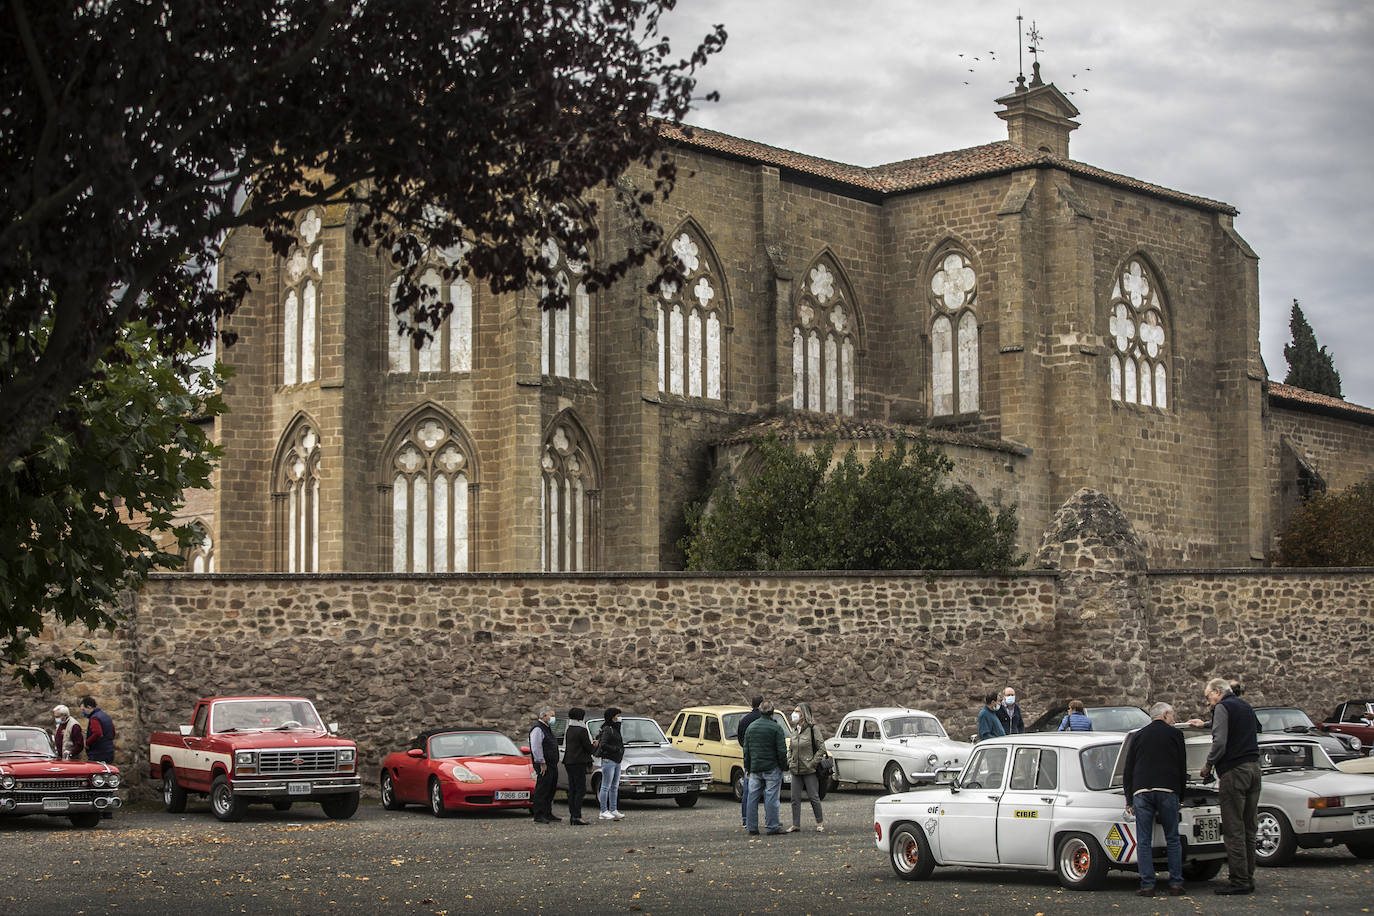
[
  {"x": 295, "y": 788},
  {"x": 58, "y": 805}
]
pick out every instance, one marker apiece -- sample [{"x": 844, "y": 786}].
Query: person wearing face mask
[
  {"x": 610, "y": 747},
  {"x": 66, "y": 733},
  {"x": 577, "y": 756},
  {"x": 1010, "y": 714},
  {"x": 544, "y": 749},
  {"x": 806, "y": 751},
  {"x": 989, "y": 724}
]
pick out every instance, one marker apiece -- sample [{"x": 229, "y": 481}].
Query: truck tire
[
  {"x": 340, "y": 807},
  {"x": 223, "y": 802},
  {"x": 173, "y": 795}
]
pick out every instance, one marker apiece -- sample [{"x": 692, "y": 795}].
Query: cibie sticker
[
  {"x": 1031, "y": 814},
  {"x": 1120, "y": 842}
]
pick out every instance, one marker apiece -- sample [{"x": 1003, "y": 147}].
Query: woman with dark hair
[
  {"x": 1077, "y": 720},
  {"x": 610, "y": 747}
]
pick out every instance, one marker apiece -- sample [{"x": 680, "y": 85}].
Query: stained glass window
[
  {"x": 954, "y": 376},
  {"x": 1138, "y": 372},
  {"x": 823, "y": 343}
]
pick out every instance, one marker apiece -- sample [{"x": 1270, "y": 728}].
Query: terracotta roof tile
[
  {"x": 793, "y": 427},
  {"x": 924, "y": 171},
  {"x": 1301, "y": 399}
]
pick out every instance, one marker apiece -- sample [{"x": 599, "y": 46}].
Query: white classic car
[
  {"x": 1050, "y": 801},
  {"x": 895, "y": 747}
]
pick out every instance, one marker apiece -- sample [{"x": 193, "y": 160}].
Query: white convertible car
[
  {"x": 895, "y": 747},
  {"x": 1045, "y": 802}
]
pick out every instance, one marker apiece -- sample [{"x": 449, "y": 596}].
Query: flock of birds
[{"x": 968, "y": 58}]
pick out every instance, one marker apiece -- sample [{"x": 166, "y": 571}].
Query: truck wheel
[
  {"x": 688, "y": 800},
  {"x": 389, "y": 801},
  {"x": 223, "y": 802},
  {"x": 911, "y": 858},
  {"x": 436, "y": 799},
  {"x": 340, "y": 807},
  {"x": 86, "y": 820},
  {"x": 1274, "y": 843},
  {"x": 173, "y": 795},
  {"x": 894, "y": 779},
  {"x": 281, "y": 805},
  {"x": 1081, "y": 864},
  {"x": 1204, "y": 870}
]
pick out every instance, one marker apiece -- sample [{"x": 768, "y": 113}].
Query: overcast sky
[{"x": 1255, "y": 103}]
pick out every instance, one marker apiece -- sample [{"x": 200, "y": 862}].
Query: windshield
[
  {"x": 1276, "y": 720},
  {"x": 633, "y": 731},
  {"x": 263, "y": 715},
  {"x": 1098, "y": 764},
  {"x": 913, "y": 727},
  {"x": 472, "y": 744},
  {"x": 30, "y": 741},
  {"x": 1117, "y": 718}
]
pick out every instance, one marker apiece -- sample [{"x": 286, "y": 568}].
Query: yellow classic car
[{"x": 709, "y": 732}]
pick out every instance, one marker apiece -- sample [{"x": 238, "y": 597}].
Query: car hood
[
  {"x": 259, "y": 741},
  {"x": 49, "y": 767},
  {"x": 506, "y": 767},
  {"x": 657, "y": 753},
  {"x": 944, "y": 747}
]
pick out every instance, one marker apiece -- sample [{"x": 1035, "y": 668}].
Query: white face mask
[
  {"x": 552, "y": 719},
  {"x": 796, "y": 717},
  {"x": 1010, "y": 700},
  {"x": 57, "y": 722}
]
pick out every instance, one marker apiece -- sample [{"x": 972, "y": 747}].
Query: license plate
[
  {"x": 55, "y": 804},
  {"x": 1207, "y": 829},
  {"x": 1363, "y": 819},
  {"x": 298, "y": 788},
  {"x": 522, "y": 795},
  {"x": 672, "y": 790}
]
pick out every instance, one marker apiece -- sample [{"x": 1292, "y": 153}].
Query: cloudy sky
[{"x": 1253, "y": 102}]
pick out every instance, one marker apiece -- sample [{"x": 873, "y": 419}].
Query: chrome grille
[
  {"x": 48, "y": 785},
  {"x": 295, "y": 761},
  {"x": 84, "y": 795}
]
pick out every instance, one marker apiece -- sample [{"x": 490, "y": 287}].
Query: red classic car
[
  {"x": 452, "y": 768},
  {"x": 34, "y": 781},
  {"x": 1354, "y": 718}
]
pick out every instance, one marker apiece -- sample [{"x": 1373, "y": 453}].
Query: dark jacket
[
  {"x": 577, "y": 745},
  {"x": 744, "y": 724},
  {"x": 765, "y": 746},
  {"x": 100, "y": 735},
  {"x": 609, "y": 744},
  {"x": 1235, "y": 735},
  {"x": 989, "y": 725},
  {"x": 543, "y": 736},
  {"x": 1156, "y": 759},
  {"x": 1012, "y": 723}
]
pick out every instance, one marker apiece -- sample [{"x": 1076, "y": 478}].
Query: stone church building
[{"x": 1052, "y": 324}]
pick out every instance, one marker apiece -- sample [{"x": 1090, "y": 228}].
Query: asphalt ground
[{"x": 660, "y": 860}]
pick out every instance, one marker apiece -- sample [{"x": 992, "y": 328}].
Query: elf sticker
[{"x": 1120, "y": 842}]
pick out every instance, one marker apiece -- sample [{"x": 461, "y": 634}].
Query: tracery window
[
  {"x": 565, "y": 334},
  {"x": 691, "y": 323},
  {"x": 954, "y": 380},
  {"x": 200, "y": 558},
  {"x": 568, "y": 501},
  {"x": 1139, "y": 346},
  {"x": 297, "y": 501},
  {"x": 430, "y": 517},
  {"x": 823, "y": 343},
  {"x": 300, "y": 309},
  {"x": 450, "y": 347}
]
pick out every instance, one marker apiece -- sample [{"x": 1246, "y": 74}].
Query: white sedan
[
  {"x": 893, "y": 746},
  {"x": 1050, "y": 801}
]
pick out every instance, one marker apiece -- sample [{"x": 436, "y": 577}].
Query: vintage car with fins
[{"x": 33, "y": 780}]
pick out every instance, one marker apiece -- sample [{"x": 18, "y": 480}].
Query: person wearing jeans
[
  {"x": 1154, "y": 775},
  {"x": 767, "y": 784},
  {"x": 765, "y": 754},
  {"x": 610, "y": 747}
]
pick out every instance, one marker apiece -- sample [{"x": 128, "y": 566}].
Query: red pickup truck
[{"x": 241, "y": 750}]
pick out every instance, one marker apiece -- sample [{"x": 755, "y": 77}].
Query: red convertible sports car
[
  {"x": 453, "y": 768},
  {"x": 34, "y": 781}
]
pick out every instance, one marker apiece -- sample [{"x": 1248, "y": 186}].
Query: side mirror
[
  {"x": 947, "y": 776},
  {"x": 415, "y": 752},
  {"x": 333, "y": 728},
  {"x": 185, "y": 731}
]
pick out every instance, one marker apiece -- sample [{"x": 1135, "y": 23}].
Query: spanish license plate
[
  {"x": 298, "y": 788},
  {"x": 1363, "y": 819},
  {"x": 1207, "y": 829},
  {"x": 513, "y": 795},
  {"x": 672, "y": 790},
  {"x": 55, "y": 804}
]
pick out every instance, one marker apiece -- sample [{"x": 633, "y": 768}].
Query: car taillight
[
  {"x": 877, "y": 831},
  {"x": 1324, "y": 801}
]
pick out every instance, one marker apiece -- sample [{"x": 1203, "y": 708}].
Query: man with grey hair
[
  {"x": 544, "y": 749},
  {"x": 1235, "y": 757},
  {"x": 1154, "y": 774},
  {"x": 66, "y": 733}
]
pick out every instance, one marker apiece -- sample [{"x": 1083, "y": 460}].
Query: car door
[
  {"x": 844, "y": 748},
  {"x": 690, "y": 738},
  {"x": 869, "y": 752},
  {"x": 409, "y": 780},
  {"x": 968, "y": 820},
  {"x": 1025, "y": 815}
]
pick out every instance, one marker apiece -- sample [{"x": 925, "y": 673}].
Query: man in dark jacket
[
  {"x": 1235, "y": 757},
  {"x": 1009, "y": 713},
  {"x": 544, "y": 749},
  {"x": 1155, "y": 772},
  {"x": 100, "y": 732},
  {"x": 765, "y": 755},
  {"x": 577, "y": 756},
  {"x": 744, "y": 723}
]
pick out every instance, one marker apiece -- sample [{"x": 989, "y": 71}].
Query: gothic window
[
  {"x": 297, "y": 501},
  {"x": 300, "y": 309},
  {"x": 450, "y": 347},
  {"x": 200, "y": 558},
  {"x": 954, "y": 336},
  {"x": 430, "y": 468},
  {"x": 568, "y": 500},
  {"x": 565, "y": 335},
  {"x": 824, "y": 333},
  {"x": 691, "y": 323},
  {"x": 1139, "y": 349}
]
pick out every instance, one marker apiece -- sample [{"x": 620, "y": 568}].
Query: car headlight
[
  {"x": 463, "y": 774},
  {"x": 1355, "y": 744},
  {"x": 932, "y": 760},
  {"x": 348, "y": 755},
  {"x": 637, "y": 771},
  {"x": 6, "y": 782},
  {"x": 112, "y": 780},
  {"x": 98, "y": 780},
  {"x": 245, "y": 759},
  {"x": 701, "y": 769}
]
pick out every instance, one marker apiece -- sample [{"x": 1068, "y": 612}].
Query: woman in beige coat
[{"x": 808, "y": 747}]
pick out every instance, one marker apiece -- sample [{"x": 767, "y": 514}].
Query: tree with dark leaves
[{"x": 1309, "y": 366}]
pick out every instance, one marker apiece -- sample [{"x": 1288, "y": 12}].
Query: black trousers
[
  {"x": 545, "y": 784},
  {"x": 577, "y": 788}
]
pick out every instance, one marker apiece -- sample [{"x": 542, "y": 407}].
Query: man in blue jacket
[{"x": 100, "y": 732}]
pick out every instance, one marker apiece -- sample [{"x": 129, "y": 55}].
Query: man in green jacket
[{"x": 765, "y": 754}]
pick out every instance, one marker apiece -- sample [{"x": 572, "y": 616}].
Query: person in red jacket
[{"x": 66, "y": 733}]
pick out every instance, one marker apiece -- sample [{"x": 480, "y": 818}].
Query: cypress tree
[{"x": 1309, "y": 366}]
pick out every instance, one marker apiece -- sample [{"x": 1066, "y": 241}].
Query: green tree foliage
[
  {"x": 82, "y": 509},
  {"x": 796, "y": 511},
  {"x": 1331, "y": 530},
  {"x": 1309, "y": 366}
]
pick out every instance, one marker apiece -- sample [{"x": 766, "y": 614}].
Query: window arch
[
  {"x": 1136, "y": 324},
  {"x": 304, "y": 274},
  {"x": 692, "y": 321},
  {"x": 565, "y": 335},
  {"x": 568, "y": 498},
  {"x": 451, "y": 346},
  {"x": 296, "y": 498},
  {"x": 954, "y": 362},
  {"x": 200, "y": 556},
  {"x": 429, "y": 494},
  {"x": 825, "y": 338}
]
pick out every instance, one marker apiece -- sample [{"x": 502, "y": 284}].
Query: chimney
[{"x": 1039, "y": 116}]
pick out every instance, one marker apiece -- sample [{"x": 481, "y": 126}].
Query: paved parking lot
[{"x": 661, "y": 859}]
